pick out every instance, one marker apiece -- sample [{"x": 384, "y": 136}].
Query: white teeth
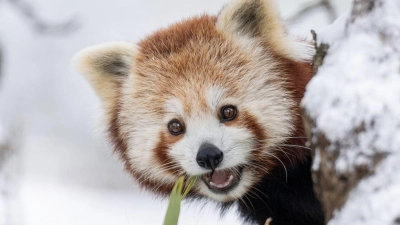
[{"x": 226, "y": 184}]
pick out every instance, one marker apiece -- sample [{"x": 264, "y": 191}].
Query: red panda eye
[
  {"x": 175, "y": 127},
  {"x": 228, "y": 113}
]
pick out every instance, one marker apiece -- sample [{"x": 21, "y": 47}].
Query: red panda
[{"x": 215, "y": 97}]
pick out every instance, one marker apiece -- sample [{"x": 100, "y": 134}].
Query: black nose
[{"x": 209, "y": 156}]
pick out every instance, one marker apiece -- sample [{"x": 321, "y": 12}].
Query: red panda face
[
  {"x": 208, "y": 97},
  {"x": 210, "y": 91}
]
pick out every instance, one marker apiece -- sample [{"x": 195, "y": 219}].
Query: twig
[
  {"x": 325, "y": 4},
  {"x": 268, "y": 222},
  {"x": 40, "y": 25},
  {"x": 320, "y": 52}
]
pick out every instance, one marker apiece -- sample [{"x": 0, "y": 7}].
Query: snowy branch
[
  {"x": 321, "y": 49},
  {"x": 324, "y": 4},
  {"x": 40, "y": 25},
  {"x": 351, "y": 110}
]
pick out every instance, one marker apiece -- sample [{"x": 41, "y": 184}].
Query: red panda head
[{"x": 214, "y": 97}]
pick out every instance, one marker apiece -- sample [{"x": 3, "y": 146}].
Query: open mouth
[{"x": 222, "y": 181}]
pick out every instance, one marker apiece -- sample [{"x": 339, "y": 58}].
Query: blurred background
[{"x": 56, "y": 167}]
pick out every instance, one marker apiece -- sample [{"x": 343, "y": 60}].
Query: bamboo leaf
[
  {"x": 189, "y": 186},
  {"x": 176, "y": 196}
]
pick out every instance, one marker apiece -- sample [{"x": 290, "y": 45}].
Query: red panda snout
[
  {"x": 222, "y": 143},
  {"x": 209, "y": 156}
]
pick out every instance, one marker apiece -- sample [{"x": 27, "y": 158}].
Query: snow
[
  {"x": 68, "y": 204},
  {"x": 2, "y": 134},
  {"x": 376, "y": 199},
  {"x": 358, "y": 88},
  {"x": 8, "y": 175}
]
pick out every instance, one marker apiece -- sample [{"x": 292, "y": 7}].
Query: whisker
[
  {"x": 252, "y": 206},
  {"x": 284, "y": 152},
  {"x": 258, "y": 197},
  {"x": 258, "y": 166},
  {"x": 256, "y": 189},
  {"x": 281, "y": 163},
  {"x": 248, "y": 208},
  {"x": 287, "y": 137},
  {"x": 296, "y": 146}
]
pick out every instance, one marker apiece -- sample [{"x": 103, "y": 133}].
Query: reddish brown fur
[
  {"x": 161, "y": 153},
  {"x": 121, "y": 147},
  {"x": 260, "y": 163},
  {"x": 164, "y": 44},
  {"x": 176, "y": 38},
  {"x": 299, "y": 74},
  {"x": 157, "y": 51},
  {"x": 168, "y": 41}
]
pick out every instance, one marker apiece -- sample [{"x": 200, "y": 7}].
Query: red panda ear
[
  {"x": 106, "y": 66},
  {"x": 261, "y": 19}
]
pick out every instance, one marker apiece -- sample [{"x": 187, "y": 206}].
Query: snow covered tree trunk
[{"x": 352, "y": 115}]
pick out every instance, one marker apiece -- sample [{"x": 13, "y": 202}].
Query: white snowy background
[{"x": 62, "y": 171}]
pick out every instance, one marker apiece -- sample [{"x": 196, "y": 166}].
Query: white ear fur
[
  {"x": 105, "y": 66},
  {"x": 260, "y": 18}
]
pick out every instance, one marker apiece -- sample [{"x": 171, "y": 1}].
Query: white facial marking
[
  {"x": 173, "y": 108},
  {"x": 214, "y": 96}
]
